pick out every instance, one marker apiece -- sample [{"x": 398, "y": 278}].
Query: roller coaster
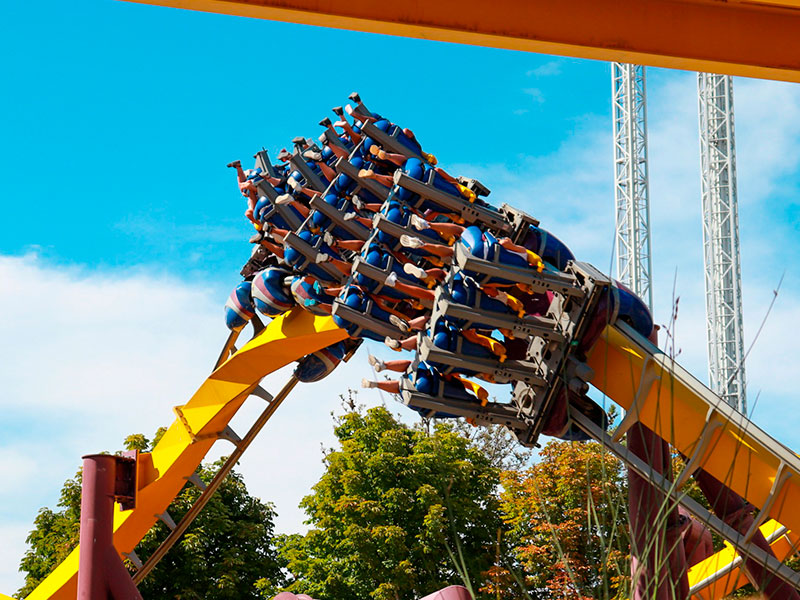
[{"x": 361, "y": 234}]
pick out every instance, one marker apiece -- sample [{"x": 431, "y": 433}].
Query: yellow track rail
[
  {"x": 720, "y": 574},
  {"x": 163, "y": 473},
  {"x": 663, "y": 396}
]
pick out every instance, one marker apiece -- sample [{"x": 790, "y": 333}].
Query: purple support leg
[
  {"x": 101, "y": 574},
  {"x": 697, "y": 541},
  {"x": 658, "y": 559}
]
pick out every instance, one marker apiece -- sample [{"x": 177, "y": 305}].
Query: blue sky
[
  {"x": 122, "y": 230},
  {"x": 133, "y": 111}
]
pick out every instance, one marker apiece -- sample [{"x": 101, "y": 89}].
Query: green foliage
[
  {"x": 226, "y": 553},
  {"x": 394, "y": 505},
  {"x": 137, "y": 441},
  {"x": 55, "y": 534},
  {"x": 567, "y": 524}
]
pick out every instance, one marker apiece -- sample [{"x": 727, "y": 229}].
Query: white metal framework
[
  {"x": 631, "y": 189},
  {"x": 723, "y": 277}
]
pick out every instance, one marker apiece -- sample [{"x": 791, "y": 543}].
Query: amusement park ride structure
[
  {"x": 718, "y": 442},
  {"x": 631, "y": 183}
]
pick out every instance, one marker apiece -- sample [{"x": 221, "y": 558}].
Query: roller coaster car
[
  {"x": 318, "y": 365},
  {"x": 313, "y": 179},
  {"x": 259, "y": 260},
  {"x": 472, "y": 315},
  {"x": 550, "y": 356},
  {"x": 361, "y": 322},
  {"x": 558, "y": 420},
  {"x": 472, "y": 212},
  {"x": 263, "y": 163},
  {"x": 330, "y": 138},
  {"x": 313, "y": 254},
  {"x": 283, "y": 215},
  {"x": 487, "y": 271},
  {"x": 378, "y": 276},
  {"x": 456, "y": 361},
  {"x": 439, "y": 405},
  {"x": 360, "y": 111},
  {"x": 520, "y": 222},
  {"x": 336, "y": 216},
  {"x": 390, "y": 141},
  {"x": 390, "y": 136},
  {"x": 474, "y": 185},
  {"x": 382, "y": 224},
  {"x": 560, "y": 363},
  {"x": 345, "y": 167}
]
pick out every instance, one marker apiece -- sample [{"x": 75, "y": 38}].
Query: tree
[
  {"x": 226, "y": 553},
  {"x": 567, "y": 524},
  {"x": 55, "y": 534},
  {"x": 399, "y": 513}
]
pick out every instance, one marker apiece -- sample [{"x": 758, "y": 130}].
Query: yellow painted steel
[
  {"x": 731, "y": 579},
  {"x": 752, "y": 39},
  {"x": 680, "y": 409},
  {"x": 163, "y": 473}
]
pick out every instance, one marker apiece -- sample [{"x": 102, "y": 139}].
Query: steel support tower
[
  {"x": 631, "y": 188},
  {"x": 723, "y": 273}
]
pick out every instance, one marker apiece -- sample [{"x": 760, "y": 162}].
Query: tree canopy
[
  {"x": 399, "y": 513},
  {"x": 567, "y": 523},
  {"x": 227, "y": 553}
]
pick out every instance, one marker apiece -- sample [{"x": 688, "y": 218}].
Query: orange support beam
[{"x": 752, "y": 39}]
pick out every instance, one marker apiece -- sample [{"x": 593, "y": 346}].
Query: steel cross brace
[
  {"x": 728, "y": 533},
  {"x": 178, "y": 530}
]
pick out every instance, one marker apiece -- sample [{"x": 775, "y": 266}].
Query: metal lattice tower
[
  {"x": 631, "y": 189},
  {"x": 723, "y": 274}
]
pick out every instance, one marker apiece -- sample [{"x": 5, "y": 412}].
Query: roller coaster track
[
  {"x": 660, "y": 394},
  {"x": 200, "y": 422},
  {"x": 635, "y": 374}
]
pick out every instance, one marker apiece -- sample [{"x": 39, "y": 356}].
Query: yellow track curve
[
  {"x": 720, "y": 574},
  {"x": 163, "y": 473}
]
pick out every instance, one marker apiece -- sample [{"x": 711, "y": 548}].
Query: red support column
[
  {"x": 658, "y": 559},
  {"x": 101, "y": 573}
]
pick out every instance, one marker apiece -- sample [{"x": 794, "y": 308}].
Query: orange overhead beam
[{"x": 753, "y": 39}]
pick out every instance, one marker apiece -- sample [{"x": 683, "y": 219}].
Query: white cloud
[
  {"x": 547, "y": 69},
  {"x": 11, "y": 550},
  {"x": 767, "y": 126},
  {"x": 535, "y": 93}
]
